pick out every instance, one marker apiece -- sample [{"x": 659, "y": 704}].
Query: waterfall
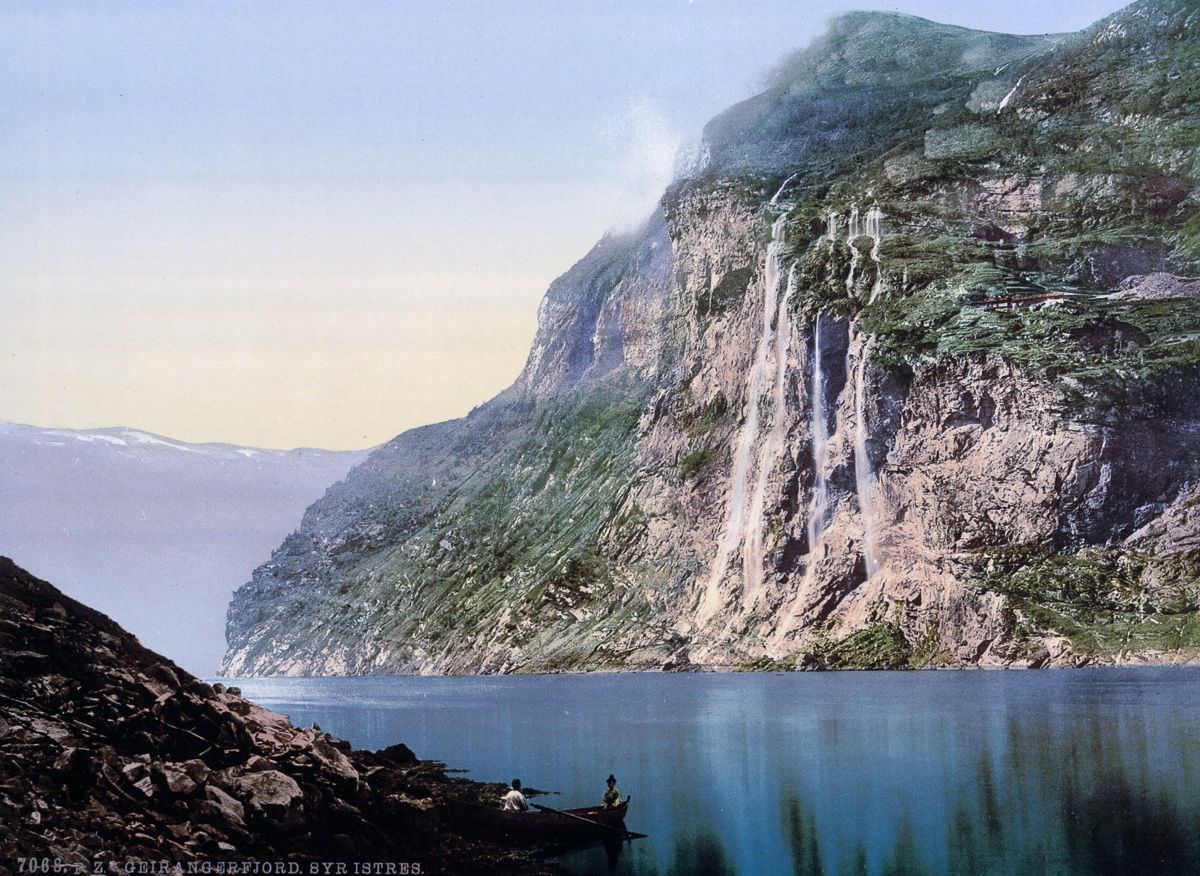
[
  {"x": 874, "y": 224},
  {"x": 752, "y": 547},
  {"x": 783, "y": 348},
  {"x": 864, "y": 479},
  {"x": 786, "y": 183},
  {"x": 1009, "y": 96},
  {"x": 831, "y": 226},
  {"x": 870, "y": 225},
  {"x": 819, "y": 426},
  {"x": 735, "y": 522},
  {"x": 852, "y": 233},
  {"x": 875, "y": 232}
]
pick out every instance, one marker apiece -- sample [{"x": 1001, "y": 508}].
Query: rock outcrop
[
  {"x": 110, "y": 753},
  {"x": 860, "y": 394}
]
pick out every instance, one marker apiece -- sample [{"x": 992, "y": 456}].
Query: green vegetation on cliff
[
  {"x": 522, "y": 543},
  {"x": 1005, "y": 167},
  {"x": 1104, "y": 600}
]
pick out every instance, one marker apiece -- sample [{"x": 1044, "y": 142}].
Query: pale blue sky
[{"x": 321, "y": 223}]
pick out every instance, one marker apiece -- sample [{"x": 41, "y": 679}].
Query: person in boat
[
  {"x": 612, "y": 797},
  {"x": 514, "y": 800}
]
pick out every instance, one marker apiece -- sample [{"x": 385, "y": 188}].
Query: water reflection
[
  {"x": 802, "y": 838},
  {"x": 702, "y": 855},
  {"x": 1055, "y": 772}
]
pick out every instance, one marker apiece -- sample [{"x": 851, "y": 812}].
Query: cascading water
[
  {"x": 735, "y": 522},
  {"x": 1008, "y": 97},
  {"x": 787, "y": 182},
  {"x": 819, "y": 426},
  {"x": 852, "y": 233},
  {"x": 874, "y": 229},
  {"x": 831, "y": 226},
  {"x": 864, "y": 478},
  {"x": 875, "y": 232},
  {"x": 752, "y": 547},
  {"x": 870, "y": 225}
]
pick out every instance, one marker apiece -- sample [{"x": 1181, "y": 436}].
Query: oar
[{"x": 625, "y": 834}]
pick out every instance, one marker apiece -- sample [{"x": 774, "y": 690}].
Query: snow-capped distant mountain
[{"x": 154, "y": 532}]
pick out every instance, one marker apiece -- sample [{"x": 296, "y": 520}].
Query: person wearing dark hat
[
  {"x": 514, "y": 800},
  {"x": 613, "y": 795}
]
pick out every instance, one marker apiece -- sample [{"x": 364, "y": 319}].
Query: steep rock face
[
  {"x": 862, "y": 396},
  {"x": 605, "y": 313}
]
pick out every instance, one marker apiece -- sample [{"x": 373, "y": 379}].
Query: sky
[{"x": 318, "y": 224}]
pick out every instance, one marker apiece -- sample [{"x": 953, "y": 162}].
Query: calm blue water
[{"x": 1091, "y": 771}]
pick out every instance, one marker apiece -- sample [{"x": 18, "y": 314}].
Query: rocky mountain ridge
[
  {"x": 128, "y": 521},
  {"x": 903, "y": 375}
]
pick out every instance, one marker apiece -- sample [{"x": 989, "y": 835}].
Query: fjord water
[{"x": 1063, "y": 771}]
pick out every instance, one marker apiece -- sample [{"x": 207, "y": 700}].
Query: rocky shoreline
[{"x": 111, "y": 754}]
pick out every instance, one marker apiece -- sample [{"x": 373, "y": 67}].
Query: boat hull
[{"x": 546, "y": 827}]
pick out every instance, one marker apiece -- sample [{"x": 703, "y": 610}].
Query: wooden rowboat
[{"x": 567, "y": 825}]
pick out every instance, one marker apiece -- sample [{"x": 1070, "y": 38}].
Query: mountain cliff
[{"x": 904, "y": 373}]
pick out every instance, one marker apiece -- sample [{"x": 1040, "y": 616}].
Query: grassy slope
[{"x": 512, "y": 554}]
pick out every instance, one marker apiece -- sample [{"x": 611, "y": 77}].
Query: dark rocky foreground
[{"x": 111, "y": 753}]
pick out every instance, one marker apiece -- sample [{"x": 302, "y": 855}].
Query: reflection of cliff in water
[
  {"x": 701, "y": 855},
  {"x": 1107, "y": 823},
  {"x": 801, "y": 830},
  {"x": 1102, "y": 799},
  {"x": 1119, "y": 828},
  {"x": 1065, "y": 772},
  {"x": 697, "y": 854}
]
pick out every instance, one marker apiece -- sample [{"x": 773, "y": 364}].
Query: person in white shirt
[
  {"x": 514, "y": 800},
  {"x": 612, "y": 797}
]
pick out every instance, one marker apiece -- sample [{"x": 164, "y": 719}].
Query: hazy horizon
[{"x": 317, "y": 226}]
